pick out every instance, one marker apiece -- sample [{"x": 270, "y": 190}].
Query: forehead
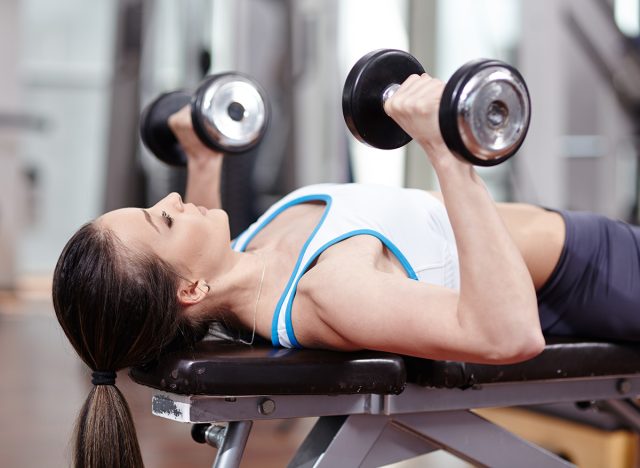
[
  {"x": 116, "y": 217},
  {"x": 128, "y": 223}
]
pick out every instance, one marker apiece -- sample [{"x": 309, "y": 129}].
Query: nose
[{"x": 173, "y": 201}]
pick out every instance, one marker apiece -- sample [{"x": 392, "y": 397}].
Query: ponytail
[
  {"x": 119, "y": 308},
  {"x": 105, "y": 436}
]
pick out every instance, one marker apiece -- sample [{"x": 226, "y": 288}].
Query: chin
[{"x": 220, "y": 215}]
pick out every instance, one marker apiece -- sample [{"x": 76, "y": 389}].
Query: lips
[{"x": 203, "y": 210}]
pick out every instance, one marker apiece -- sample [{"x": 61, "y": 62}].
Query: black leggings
[{"x": 594, "y": 290}]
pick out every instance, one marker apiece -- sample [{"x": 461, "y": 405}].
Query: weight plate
[
  {"x": 230, "y": 112},
  {"x": 362, "y": 96},
  {"x": 485, "y": 112},
  {"x": 154, "y": 128}
]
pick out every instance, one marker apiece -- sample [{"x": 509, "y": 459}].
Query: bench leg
[
  {"x": 478, "y": 441},
  {"x": 317, "y": 441},
  {"x": 235, "y": 439},
  {"x": 357, "y": 441},
  {"x": 366, "y": 441},
  {"x": 626, "y": 411}
]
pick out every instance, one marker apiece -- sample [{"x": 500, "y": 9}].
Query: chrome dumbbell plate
[
  {"x": 485, "y": 112},
  {"x": 230, "y": 112}
]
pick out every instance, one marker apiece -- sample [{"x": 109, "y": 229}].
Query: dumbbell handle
[
  {"x": 388, "y": 92},
  {"x": 497, "y": 113}
]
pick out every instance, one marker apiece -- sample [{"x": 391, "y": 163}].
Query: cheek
[{"x": 197, "y": 238}]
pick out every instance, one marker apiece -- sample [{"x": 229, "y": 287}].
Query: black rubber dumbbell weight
[
  {"x": 229, "y": 111},
  {"x": 484, "y": 111}
]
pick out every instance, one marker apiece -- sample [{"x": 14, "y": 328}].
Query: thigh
[{"x": 539, "y": 235}]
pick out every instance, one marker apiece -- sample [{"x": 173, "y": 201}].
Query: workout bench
[{"x": 377, "y": 408}]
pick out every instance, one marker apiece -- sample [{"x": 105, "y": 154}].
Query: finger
[
  {"x": 392, "y": 102},
  {"x": 181, "y": 118},
  {"x": 427, "y": 87},
  {"x": 408, "y": 84}
]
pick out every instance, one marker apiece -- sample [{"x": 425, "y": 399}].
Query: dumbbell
[
  {"x": 484, "y": 111},
  {"x": 229, "y": 111}
]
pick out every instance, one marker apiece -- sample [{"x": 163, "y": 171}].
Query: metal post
[
  {"x": 540, "y": 168},
  {"x": 230, "y": 453},
  {"x": 422, "y": 44},
  {"x": 124, "y": 176}
]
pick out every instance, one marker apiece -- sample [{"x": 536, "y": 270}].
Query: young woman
[{"x": 342, "y": 267}]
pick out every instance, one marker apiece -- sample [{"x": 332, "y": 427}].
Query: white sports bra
[{"x": 411, "y": 223}]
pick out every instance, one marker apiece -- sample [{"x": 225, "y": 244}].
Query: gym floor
[{"x": 43, "y": 385}]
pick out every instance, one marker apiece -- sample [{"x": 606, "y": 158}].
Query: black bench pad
[
  {"x": 215, "y": 368},
  {"x": 561, "y": 358}
]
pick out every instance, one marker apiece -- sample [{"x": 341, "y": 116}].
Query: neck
[{"x": 236, "y": 290}]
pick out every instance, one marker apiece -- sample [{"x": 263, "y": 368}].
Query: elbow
[
  {"x": 530, "y": 347},
  {"x": 522, "y": 349},
  {"x": 522, "y": 342}
]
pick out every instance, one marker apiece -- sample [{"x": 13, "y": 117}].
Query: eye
[{"x": 168, "y": 219}]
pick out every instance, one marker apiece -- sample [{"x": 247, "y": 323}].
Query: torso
[
  {"x": 538, "y": 233},
  {"x": 280, "y": 243}
]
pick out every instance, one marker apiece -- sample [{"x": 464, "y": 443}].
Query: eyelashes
[{"x": 168, "y": 219}]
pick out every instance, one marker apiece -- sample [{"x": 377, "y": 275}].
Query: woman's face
[{"x": 190, "y": 238}]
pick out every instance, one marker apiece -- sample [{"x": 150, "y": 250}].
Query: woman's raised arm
[
  {"x": 204, "y": 165},
  {"x": 497, "y": 299}
]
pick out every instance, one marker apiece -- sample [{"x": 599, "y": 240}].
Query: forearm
[
  {"x": 497, "y": 300},
  {"x": 204, "y": 164},
  {"x": 203, "y": 182}
]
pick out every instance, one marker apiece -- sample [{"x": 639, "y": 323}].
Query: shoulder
[
  {"x": 322, "y": 294},
  {"x": 347, "y": 282},
  {"x": 328, "y": 294},
  {"x": 350, "y": 304}
]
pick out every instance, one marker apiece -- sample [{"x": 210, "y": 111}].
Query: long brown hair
[{"x": 118, "y": 308}]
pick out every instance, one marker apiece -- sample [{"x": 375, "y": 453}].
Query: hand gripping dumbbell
[
  {"x": 484, "y": 111},
  {"x": 229, "y": 111}
]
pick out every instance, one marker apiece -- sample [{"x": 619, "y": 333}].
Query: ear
[{"x": 191, "y": 293}]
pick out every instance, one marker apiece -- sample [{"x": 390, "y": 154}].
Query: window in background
[
  {"x": 363, "y": 27},
  {"x": 66, "y": 66},
  {"x": 627, "y": 15}
]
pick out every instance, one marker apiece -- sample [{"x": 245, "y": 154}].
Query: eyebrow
[{"x": 149, "y": 220}]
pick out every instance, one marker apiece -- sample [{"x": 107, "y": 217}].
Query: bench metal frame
[{"x": 369, "y": 430}]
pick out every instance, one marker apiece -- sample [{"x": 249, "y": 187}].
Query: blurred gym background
[{"x": 76, "y": 74}]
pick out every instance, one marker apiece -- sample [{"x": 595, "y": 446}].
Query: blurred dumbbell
[
  {"x": 229, "y": 112},
  {"x": 484, "y": 112}
]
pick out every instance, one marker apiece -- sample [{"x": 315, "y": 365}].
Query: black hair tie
[{"x": 103, "y": 378}]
